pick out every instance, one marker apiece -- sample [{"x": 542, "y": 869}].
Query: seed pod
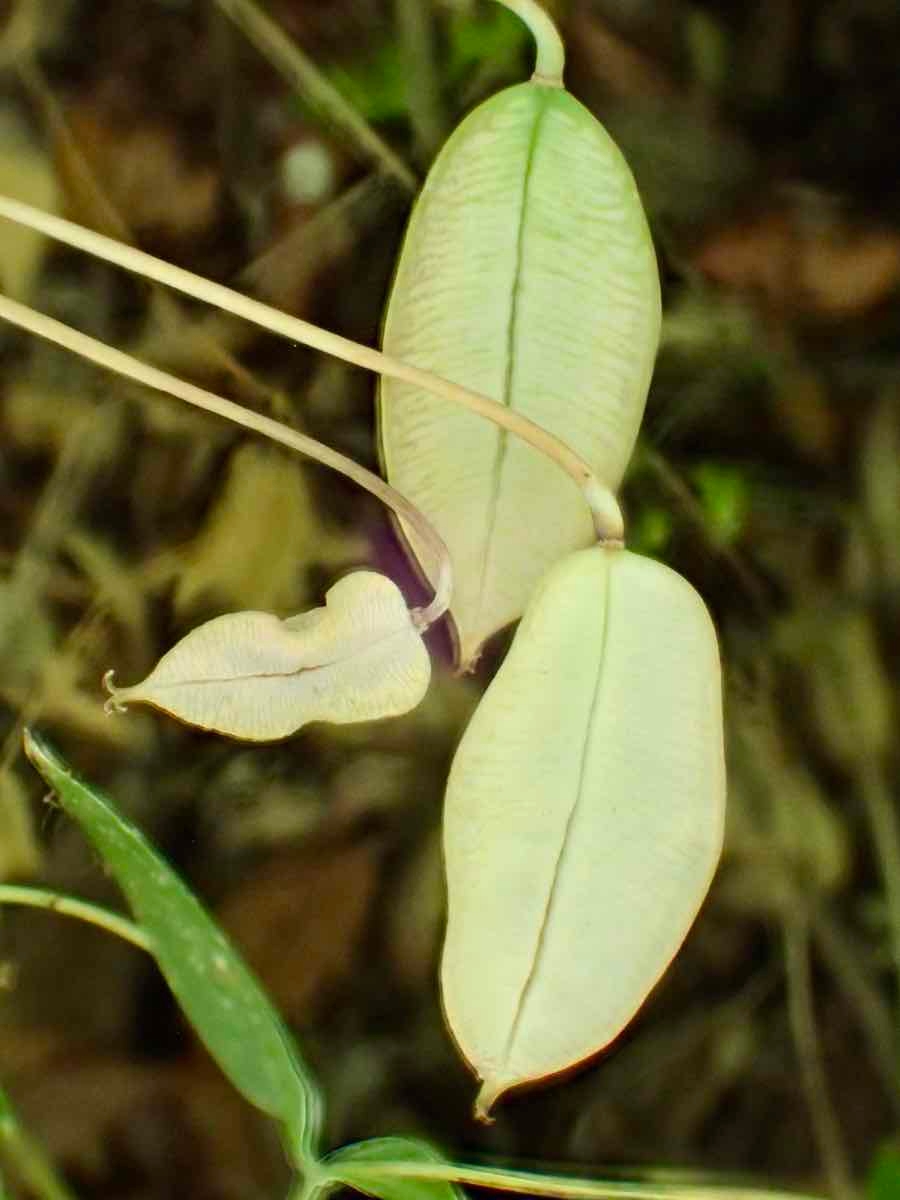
[
  {"x": 583, "y": 819},
  {"x": 250, "y": 675},
  {"x": 527, "y": 274}
]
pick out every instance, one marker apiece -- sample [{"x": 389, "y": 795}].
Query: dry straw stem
[
  {"x": 302, "y": 74},
  {"x": 528, "y": 1184},
  {"x": 801, "y": 1013},
  {"x": 840, "y": 954},
  {"x": 882, "y": 817},
  {"x": 123, "y": 364},
  {"x": 604, "y": 509}
]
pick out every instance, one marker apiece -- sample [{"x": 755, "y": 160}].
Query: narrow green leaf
[
  {"x": 26, "y": 1159},
  {"x": 219, "y": 995},
  {"x": 343, "y": 1166}
]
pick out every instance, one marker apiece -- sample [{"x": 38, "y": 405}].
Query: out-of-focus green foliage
[
  {"x": 377, "y": 83},
  {"x": 883, "y": 1182}
]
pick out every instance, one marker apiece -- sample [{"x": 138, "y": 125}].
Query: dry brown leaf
[
  {"x": 299, "y": 920},
  {"x": 166, "y": 1129},
  {"x": 146, "y": 174},
  {"x": 848, "y": 271},
  {"x": 754, "y": 255},
  {"x": 830, "y": 268}
]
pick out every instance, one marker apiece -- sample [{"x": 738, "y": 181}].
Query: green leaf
[
  {"x": 883, "y": 1182},
  {"x": 219, "y": 995},
  {"x": 344, "y": 1167}
]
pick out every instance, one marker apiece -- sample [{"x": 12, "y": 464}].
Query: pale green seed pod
[
  {"x": 527, "y": 274},
  {"x": 584, "y": 817}
]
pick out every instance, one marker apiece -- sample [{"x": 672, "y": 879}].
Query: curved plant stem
[
  {"x": 123, "y": 364},
  {"x": 305, "y": 77},
  {"x": 604, "y": 509},
  {"x": 885, "y": 832},
  {"x": 83, "y": 910},
  {"x": 560, "y": 1186},
  {"x": 551, "y": 54},
  {"x": 27, "y": 1159},
  {"x": 415, "y": 28},
  {"x": 802, "y": 1018},
  {"x": 840, "y": 953}
]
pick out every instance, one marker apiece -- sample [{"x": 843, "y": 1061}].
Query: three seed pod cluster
[{"x": 585, "y": 807}]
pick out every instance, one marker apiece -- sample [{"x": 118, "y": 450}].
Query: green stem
[
  {"x": 559, "y": 1186},
  {"x": 83, "y": 910},
  {"x": 551, "y": 54},
  {"x": 27, "y": 1159}
]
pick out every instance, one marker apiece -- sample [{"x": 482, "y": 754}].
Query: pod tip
[{"x": 489, "y": 1093}]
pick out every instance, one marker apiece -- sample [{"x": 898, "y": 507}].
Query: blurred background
[{"x": 763, "y": 134}]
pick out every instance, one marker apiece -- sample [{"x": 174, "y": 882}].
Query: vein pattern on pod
[
  {"x": 253, "y": 676},
  {"x": 583, "y": 819},
  {"x": 528, "y": 274}
]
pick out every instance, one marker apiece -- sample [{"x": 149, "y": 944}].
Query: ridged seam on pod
[
  {"x": 528, "y": 274},
  {"x": 583, "y": 819}
]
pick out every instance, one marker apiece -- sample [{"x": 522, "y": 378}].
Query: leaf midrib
[
  {"x": 511, "y": 337},
  {"x": 565, "y": 841}
]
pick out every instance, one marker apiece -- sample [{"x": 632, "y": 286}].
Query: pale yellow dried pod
[
  {"x": 252, "y": 676},
  {"x": 583, "y": 819},
  {"x": 527, "y": 274}
]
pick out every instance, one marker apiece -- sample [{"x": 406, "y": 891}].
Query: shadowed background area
[{"x": 278, "y": 149}]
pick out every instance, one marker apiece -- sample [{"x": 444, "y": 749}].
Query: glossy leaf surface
[
  {"x": 527, "y": 274},
  {"x": 583, "y": 818},
  {"x": 253, "y": 676},
  {"x": 218, "y": 994}
]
